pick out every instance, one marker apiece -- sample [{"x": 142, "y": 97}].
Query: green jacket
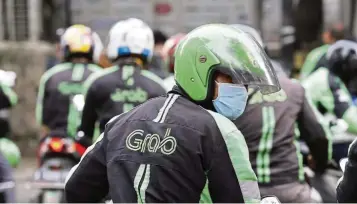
[
  {"x": 58, "y": 86},
  {"x": 313, "y": 61},
  {"x": 329, "y": 94}
]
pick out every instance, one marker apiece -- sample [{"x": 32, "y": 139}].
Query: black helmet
[{"x": 342, "y": 59}]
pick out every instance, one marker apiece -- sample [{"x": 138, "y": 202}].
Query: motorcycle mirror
[
  {"x": 78, "y": 101},
  {"x": 343, "y": 163},
  {"x": 270, "y": 200}
]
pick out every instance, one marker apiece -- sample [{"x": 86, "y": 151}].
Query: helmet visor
[{"x": 242, "y": 58}]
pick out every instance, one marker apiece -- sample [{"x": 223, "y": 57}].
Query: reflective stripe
[
  {"x": 250, "y": 190},
  {"x": 41, "y": 89},
  {"x": 265, "y": 145},
  {"x": 239, "y": 156},
  {"x": 205, "y": 195},
  {"x": 137, "y": 179},
  {"x": 168, "y": 107},
  {"x": 113, "y": 118},
  {"x": 141, "y": 181},
  {"x": 96, "y": 75},
  {"x": 161, "y": 111},
  {"x": 301, "y": 174},
  {"x": 145, "y": 183},
  {"x": 11, "y": 95},
  {"x": 78, "y": 71},
  {"x": 161, "y": 116}
]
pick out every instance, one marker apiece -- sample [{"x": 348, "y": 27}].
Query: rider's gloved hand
[
  {"x": 83, "y": 140},
  {"x": 352, "y": 151}
]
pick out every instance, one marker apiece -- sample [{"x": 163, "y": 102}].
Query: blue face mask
[{"x": 231, "y": 100}]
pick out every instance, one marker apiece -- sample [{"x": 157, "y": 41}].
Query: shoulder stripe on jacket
[{"x": 160, "y": 118}]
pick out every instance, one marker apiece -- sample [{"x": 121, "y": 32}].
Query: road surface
[{"x": 24, "y": 193}]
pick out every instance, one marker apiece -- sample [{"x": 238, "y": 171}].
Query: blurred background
[{"x": 29, "y": 31}]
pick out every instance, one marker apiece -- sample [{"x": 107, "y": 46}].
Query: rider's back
[
  {"x": 120, "y": 88},
  {"x": 317, "y": 85},
  {"x": 327, "y": 92},
  {"x": 57, "y": 87},
  {"x": 271, "y": 138},
  {"x": 176, "y": 148}
]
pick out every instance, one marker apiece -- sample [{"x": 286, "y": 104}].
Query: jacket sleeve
[
  {"x": 230, "y": 175},
  {"x": 89, "y": 113},
  {"x": 8, "y": 97},
  {"x": 342, "y": 104},
  {"x": 87, "y": 181},
  {"x": 347, "y": 185},
  {"x": 41, "y": 104},
  {"x": 315, "y": 132}
]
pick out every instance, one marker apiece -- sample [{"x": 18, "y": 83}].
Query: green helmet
[
  {"x": 10, "y": 151},
  {"x": 223, "y": 48}
]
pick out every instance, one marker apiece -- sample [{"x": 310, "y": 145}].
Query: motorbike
[
  {"x": 57, "y": 154},
  {"x": 56, "y": 157},
  {"x": 8, "y": 148},
  {"x": 325, "y": 185}
]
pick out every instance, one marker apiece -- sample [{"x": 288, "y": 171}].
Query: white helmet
[{"x": 128, "y": 37}]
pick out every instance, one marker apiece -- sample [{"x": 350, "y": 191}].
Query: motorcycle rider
[
  {"x": 268, "y": 125},
  {"x": 326, "y": 86},
  {"x": 182, "y": 147},
  {"x": 347, "y": 185},
  {"x": 55, "y": 111},
  {"x": 8, "y": 99},
  {"x": 98, "y": 47},
  {"x": 127, "y": 84},
  {"x": 167, "y": 53},
  {"x": 315, "y": 58}
]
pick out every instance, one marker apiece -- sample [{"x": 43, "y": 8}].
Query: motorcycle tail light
[
  {"x": 56, "y": 145},
  {"x": 80, "y": 149}
]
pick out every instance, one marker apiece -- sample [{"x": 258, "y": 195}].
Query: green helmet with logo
[
  {"x": 221, "y": 48},
  {"x": 10, "y": 151}
]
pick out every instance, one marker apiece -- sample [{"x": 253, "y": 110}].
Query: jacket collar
[{"x": 208, "y": 104}]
